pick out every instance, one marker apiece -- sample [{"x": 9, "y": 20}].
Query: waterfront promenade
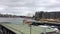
[
  {"x": 24, "y": 29},
  {"x": 16, "y": 26}
]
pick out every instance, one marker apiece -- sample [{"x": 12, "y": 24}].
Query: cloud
[
  {"x": 23, "y": 7},
  {"x": 18, "y": 10}
]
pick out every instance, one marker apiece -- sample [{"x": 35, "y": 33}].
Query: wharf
[{"x": 20, "y": 29}]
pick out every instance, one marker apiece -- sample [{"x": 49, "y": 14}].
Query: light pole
[{"x": 30, "y": 29}]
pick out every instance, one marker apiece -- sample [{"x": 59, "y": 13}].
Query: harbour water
[{"x": 12, "y": 20}]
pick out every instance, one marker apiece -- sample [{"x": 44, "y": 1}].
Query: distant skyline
[{"x": 25, "y": 7}]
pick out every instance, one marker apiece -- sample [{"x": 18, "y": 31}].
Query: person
[{"x": 54, "y": 32}]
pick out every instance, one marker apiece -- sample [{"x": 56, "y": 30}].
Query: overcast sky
[{"x": 24, "y": 7}]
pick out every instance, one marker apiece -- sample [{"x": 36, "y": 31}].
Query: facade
[
  {"x": 46, "y": 15},
  {"x": 39, "y": 15},
  {"x": 52, "y": 15},
  {"x": 55, "y": 15}
]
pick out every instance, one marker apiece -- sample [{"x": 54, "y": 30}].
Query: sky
[{"x": 28, "y": 7}]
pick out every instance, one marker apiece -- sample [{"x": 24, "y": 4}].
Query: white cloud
[
  {"x": 23, "y": 7},
  {"x": 2, "y": 7},
  {"x": 17, "y": 10}
]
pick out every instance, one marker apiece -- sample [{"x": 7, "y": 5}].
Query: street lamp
[{"x": 30, "y": 29}]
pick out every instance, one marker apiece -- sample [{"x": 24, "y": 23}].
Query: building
[
  {"x": 52, "y": 15},
  {"x": 55, "y": 15},
  {"x": 38, "y": 15}
]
